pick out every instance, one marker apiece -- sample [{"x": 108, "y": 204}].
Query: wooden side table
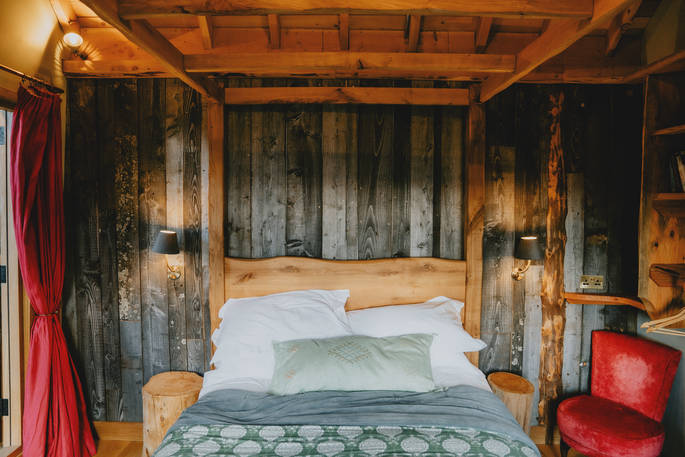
[
  {"x": 516, "y": 393},
  {"x": 165, "y": 397}
]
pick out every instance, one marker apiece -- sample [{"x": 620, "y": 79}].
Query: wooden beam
[
  {"x": 274, "y": 31},
  {"x": 660, "y": 66},
  {"x": 142, "y": 34},
  {"x": 64, "y": 12},
  {"x": 348, "y": 64},
  {"x": 475, "y": 214},
  {"x": 483, "y": 33},
  {"x": 414, "y": 33},
  {"x": 215, "y": 204},
  {"x": 136, "y": 9},
  {"x": 344, "y": 31},
  {"x": 618, "y": 25},
  {"x": 150, "y": 69},
  {"x": 206, "y": 30},
  {"x": 347, "y": 95},
  {"x": 552, "y": 291},
  {"x": 558, "y": 37}
]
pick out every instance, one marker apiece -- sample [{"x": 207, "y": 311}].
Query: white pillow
[
  {"x": 244, "y": 340},
  {"x": 461, "y": 373},
  {"x": 439, "y": 316}
]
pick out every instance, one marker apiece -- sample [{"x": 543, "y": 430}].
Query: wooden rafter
[
  {"x": 64, "y": 12},
  {"x": 347, "y": 95},
  {"x": 137, "y": 9},
  {"x": 274, "y": 31},
  {"x": 348, "y": 64},
  {"x": 414, "y": 32},
  {"x": 619, "y": 24},
  {"x": 558, "y": 37},
  {"x": 344, "y": 31},
  {"x": 141, "y": 33},
  {"x": 206, "y": 30},
  {"x": 483, "y": 33}
]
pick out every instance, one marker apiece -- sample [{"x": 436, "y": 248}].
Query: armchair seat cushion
[{"x": 599, "y": 427}]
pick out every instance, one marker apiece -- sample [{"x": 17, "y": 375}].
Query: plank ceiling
[{"x": 501, "y": 41}]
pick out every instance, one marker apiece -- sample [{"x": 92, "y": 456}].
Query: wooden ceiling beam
[
  {"x": 142, "y": 34},
  {"x": 206, "y": 30},
  {"x": 64, "y": 12},
  {"x": 274, "y": 31},
  {"x": 414, "y": 32},
  {"x": 344, "y": 31},
  {"x": 560, "y": 34},
  {"x": 618, "y": 25},
  {"x": 347, "y": 95},
  {"x": 78, "y": 68},
  {"x": 483, "y": 33},
  {"x": 142, "y": 9},
  {"x": 348, "y": 64}
]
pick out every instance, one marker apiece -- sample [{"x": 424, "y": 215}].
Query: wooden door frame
[{"x": 12, "y": 326}]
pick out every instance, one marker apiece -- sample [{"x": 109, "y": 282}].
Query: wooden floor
[{"x": 134, "y": 449}]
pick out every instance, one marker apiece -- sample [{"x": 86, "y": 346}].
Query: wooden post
[
  {"x": 475, "y": 200},
  {"x": 552, "y": 296},
  {"x": 215, "y": 215}
]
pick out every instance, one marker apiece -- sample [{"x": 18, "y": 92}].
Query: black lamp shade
[
  {"x": 529, "y": 248},
  {"x": 166, "y": 243}
]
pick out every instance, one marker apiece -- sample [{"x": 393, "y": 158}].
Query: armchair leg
[{"x": 564, "y": 447}]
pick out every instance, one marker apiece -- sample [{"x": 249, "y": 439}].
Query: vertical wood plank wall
[
  {"x": 133, "y": 167},
  {"x": 341, "y": 182}
]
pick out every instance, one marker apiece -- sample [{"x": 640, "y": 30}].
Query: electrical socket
[{"x": 592, "y": 282}]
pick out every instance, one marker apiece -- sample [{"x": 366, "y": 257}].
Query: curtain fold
[{"x": 55, "y": 421}]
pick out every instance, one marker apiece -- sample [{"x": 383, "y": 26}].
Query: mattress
[{"x": 460, "y": 420}]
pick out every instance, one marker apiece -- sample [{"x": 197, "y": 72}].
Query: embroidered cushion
[{"x": 353, "y": 363}]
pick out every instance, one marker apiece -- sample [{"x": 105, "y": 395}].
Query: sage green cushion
[{"x": 353, "y": 362}]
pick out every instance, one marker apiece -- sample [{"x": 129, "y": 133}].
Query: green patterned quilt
[
  {"x": 331, "y": 440},
  {"x": 461, "y": 420}
]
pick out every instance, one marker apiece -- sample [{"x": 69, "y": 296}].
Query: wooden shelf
[
  {"x": 604, "y": 299},
  {"x": 675, "y": 130},
  {"x": 667, "y": 274},
  {"x": 670, "y": 205}
]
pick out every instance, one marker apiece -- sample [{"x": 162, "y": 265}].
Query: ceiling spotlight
[{"x": 73, "y": 40}]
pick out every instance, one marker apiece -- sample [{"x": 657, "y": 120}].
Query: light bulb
[{"x": 73, "y": 40}]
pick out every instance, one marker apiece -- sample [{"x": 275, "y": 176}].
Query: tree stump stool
[
  {"x": 516, "y": 393},
  {"x": 165, "y": 397}
]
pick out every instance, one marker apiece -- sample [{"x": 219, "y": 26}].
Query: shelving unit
[
  {"x": 670, "y": 204},
  {"x": 674, "y": 130}
]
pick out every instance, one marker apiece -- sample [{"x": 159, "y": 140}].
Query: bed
[{"x": 458, "y": 419}]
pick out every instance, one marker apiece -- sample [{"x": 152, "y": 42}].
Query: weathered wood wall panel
[
  {"x": 342, "y": 182},
  {"x": 134, "y": 161}
]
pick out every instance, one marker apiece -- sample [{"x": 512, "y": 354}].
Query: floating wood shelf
[
  {"x": 675, "y": 130},
  {"x": 670, "y": 205},
  {"x": 604, "y": 299},
  {"x": 667, "y": 274}
]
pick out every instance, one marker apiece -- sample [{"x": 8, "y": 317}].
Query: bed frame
[{"x": 372, "y": 283}]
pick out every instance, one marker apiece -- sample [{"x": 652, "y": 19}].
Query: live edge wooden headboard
[{"x": 372, "y": 283}]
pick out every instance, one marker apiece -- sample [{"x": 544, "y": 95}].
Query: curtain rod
[{"x": 48, "y": 86}]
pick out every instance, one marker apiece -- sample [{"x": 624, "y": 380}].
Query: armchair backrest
[{"x": 633, "y": 371}]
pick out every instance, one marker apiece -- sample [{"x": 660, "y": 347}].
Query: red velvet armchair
[{"x": 630, "y": 384}]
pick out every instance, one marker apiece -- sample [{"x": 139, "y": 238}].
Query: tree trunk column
[{"x": 553, "y": 305}]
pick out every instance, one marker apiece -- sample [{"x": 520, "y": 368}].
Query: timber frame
[{"x": 498, "y": 43}]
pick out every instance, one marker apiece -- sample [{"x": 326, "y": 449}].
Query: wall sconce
[
  {"x": 528, "y": 248},
  {"x": 72, "y": 37},
  {"x": 167, "y": 243}
]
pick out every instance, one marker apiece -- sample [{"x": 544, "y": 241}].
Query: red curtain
[{"x": 55, "y": 421}]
